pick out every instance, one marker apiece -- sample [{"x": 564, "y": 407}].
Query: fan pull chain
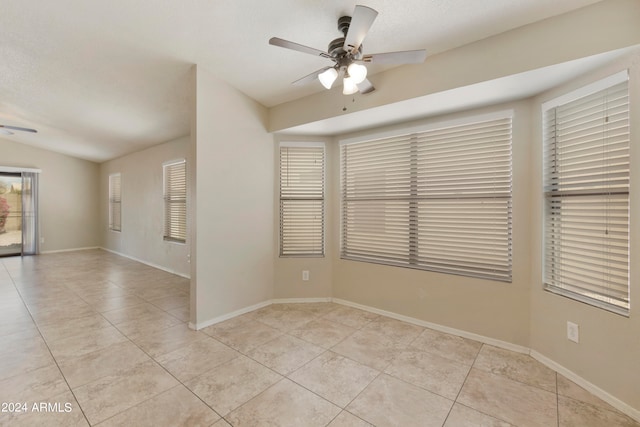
[{"x": 353, "y": 100}]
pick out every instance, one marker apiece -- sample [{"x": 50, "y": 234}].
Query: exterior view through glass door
[{"x": 11, "y": 226}]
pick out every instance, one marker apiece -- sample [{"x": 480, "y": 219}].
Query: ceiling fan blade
[
  {"x": 275, "y": 41},
  {"x": 19, "y": 128},
  {"x": 366, "y": 87},
  {"x": 309, "y": 78},
  {"x": 361, "y": 21},
  {"x": 404, "y": 57}
]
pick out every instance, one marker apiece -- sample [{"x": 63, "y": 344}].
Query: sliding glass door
[
  {"x": 18, "y": 213},
  {"x": 10, "y": 214}
]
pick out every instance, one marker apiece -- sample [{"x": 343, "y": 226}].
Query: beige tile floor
[{"x": 102, "y": 340}]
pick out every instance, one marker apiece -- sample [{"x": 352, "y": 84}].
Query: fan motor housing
[
  {"x": 336, "y": 47},
  {"x": 343, "y": 24}
]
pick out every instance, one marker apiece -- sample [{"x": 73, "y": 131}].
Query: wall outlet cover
[{"x": 573, "y": 332}]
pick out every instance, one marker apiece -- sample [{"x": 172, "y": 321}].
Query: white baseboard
[
  {"x": 464, "y": 334},
  {"x": 244, "y": 310},
  {"x": 202, "y": 325},
  {"x": 591, "y": 388},
  {"x": 57, "y": 251},
  {"x": 299, "y": 300},
  {"x": 150, "y": 264}
]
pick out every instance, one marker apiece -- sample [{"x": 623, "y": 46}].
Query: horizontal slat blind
[
  {"x": 115, "y": 202},
  {"x": 587, "y": 198},
  {"x": 376, "y": 200},
  {"x": 438, "y": 200},
  {"x": 175, "y": 201},
  {"x": 302, "y": 200}
]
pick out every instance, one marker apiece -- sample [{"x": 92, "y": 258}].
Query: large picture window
[
  {"x": 586, "y": 180},
  {"x": 302, "y": 185},
  {"x": 175, "y": 201},
  {"x": 436, "y": 198},
  {"x": 115, "y": 202}
]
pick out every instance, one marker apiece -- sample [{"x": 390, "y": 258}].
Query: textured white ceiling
[{"x": 100, "y": 79}]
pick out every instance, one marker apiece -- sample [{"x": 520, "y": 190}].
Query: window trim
[
  {"x": 303, "y": 144},
  {"x": 165, "y": 166},
  {"x": 401, "y": 132}
]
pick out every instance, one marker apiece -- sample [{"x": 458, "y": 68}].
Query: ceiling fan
[
  {"x": 6, "y": 129},
  {"x": 346, "y": 53}
]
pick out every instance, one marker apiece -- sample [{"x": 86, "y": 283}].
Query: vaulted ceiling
[{"x": 100, "y": 79}]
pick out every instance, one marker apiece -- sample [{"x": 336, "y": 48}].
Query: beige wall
[
  {"x": 234, "y": 174},
  {"x": 493, "y": 309},
  {"x": 69, "y": 217},
  {"x": 143, "y": 207},
  {"x": 288, "y": 270},
  {"x": 608, "y": 354}
]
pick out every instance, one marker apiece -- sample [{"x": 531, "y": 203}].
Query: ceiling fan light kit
[
  {"x": 346, "y": 53},
  {"x": 357, "y": 72},
  {"x": 328, "y": 77},
  {"x": 349, "y": 86}
]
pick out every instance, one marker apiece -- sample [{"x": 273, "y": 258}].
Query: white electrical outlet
[
  {"x": 305, "y": 275},
  {"x": 573, "y": 332}
]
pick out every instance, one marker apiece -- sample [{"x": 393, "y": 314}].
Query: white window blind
[
  {"x": 115, "y": 202},
  {"x": 302, "y": 177},
  {"x": 175, "y": 201},
  {"x": 586, "y": 154},
  {"x": 437, "y": 199}
]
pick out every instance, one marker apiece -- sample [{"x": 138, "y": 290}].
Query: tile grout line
[
  {"x": 380, "y": 372},
  {"x": 462, "y": 386},
  {"x": 47, "y": 345},
  {"x": 473, "y": 365},
  {"x": 124, "y": 335},
  {"x": 180, "y": 383},
  {"x": 515, "y": 379},
  {"x": 286, "y": 376},
  {"x": 491, "y": 373}
]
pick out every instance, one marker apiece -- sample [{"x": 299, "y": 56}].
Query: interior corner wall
[
  {"x": 68, "y": 195},
  {"x": 234, "y": 174},
  {"x": 288, "y": 282},
  {"x": 141, "y": 237},
  {"x": 608, "y": 353},
  {"x": 493, "y": 309}
]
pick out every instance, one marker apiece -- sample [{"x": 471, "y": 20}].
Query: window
[
  {"x": 436, "y": 198},
  {"x": 586, "y": 180},
  {"x": 302, "y": 199},
  {"x": 175, "y": 201},
  {"x": 115, "y": 202}
]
